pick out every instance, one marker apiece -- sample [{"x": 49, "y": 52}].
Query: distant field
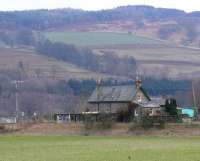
[
  {"x": 80, "y": 148},
  {"x": 176, "y": 62},
  {"x": 44, "y": 66},
  {"x": 98, "y": 38},
  {"x": 153, "y": 57}
]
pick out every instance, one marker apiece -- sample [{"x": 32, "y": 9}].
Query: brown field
[
  {"x": 46, "y": 67},
  {"x": 173, "y": 62},
  {"x": 154, "y": 57}
]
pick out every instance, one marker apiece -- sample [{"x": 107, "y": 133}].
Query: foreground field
[{"x": 76, "y": 148}]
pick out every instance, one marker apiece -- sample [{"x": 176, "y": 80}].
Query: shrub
[
  {"x": 133, "y": 126},
  {"x": 171, "y": 107},
  {"x": 102, "y": 121},
  {"x": 89, "y": 122},
  {"x": 2, "y": 127},
  {"x": 105, "y": 121},
  {"x": 147, "y": 122},
  {"x": 160, "y": 124}
]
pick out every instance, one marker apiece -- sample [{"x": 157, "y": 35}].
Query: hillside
[
  {"x": 161, "y": 61},
  {"x": 167, "y": 24},
  {"x": 40, "y": 66},
  {"x": 154, "y": 57},
  {"x": 155, "y": 37}
]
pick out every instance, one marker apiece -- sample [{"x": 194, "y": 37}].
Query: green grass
[
  {"x": 98, "y": 38},
  {"x": 76, "y": 148}
]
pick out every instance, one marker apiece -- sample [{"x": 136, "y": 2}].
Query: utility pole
[
  {"x": 17, "y": 82},
  {"x": 194, "y": 98},
  {"x": 193, "y": 94}
]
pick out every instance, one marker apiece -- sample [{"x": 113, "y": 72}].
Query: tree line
[
  {"x": 40, "y": 20},
  {"x": 18, "y": 37},
  {"x": 46, "y": 19},
  {"x": 85, "y": 58},
  {"x": 52, "y": 96},
  {"x": 80, "y": 56}
]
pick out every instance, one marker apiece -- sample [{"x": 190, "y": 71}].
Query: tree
[
  {"x": 53, "y": 71},
  {"x": 38, "y": 72},
  {"x": 171, "y": 107},
  {"x": 85, "y": 58},
  {"x": 22, "y": 71},
  {"x": 25, "y": 37}
]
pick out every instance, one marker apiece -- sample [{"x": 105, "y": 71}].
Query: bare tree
[{"x": 38, "y": 73}]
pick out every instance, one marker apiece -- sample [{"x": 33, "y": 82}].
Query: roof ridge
[{"x": 116, "y": 85}]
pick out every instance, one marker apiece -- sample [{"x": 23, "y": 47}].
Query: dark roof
[{"x": 117, "y": 94}]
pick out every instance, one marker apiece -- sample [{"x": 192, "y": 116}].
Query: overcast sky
[{"x": 187, "y": 5}]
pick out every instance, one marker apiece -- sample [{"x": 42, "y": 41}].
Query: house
[
  {"x": 155, "y": 107},
  {"x": 130, "y": 100},
  {"x": 128, "y": 97}
]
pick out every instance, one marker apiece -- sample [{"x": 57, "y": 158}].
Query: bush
[
  {"x": 102, "y": 121},
  {"x": 171, "y": 107},
  {"x": 105, "y": 121},
  {"x": 2, "y": 127},
  {"x": 89, "y": 122},
  {"x": 147, "y": 122},
  {"x": 133, "y": 126},
  {"x": 160, "y": 124}
]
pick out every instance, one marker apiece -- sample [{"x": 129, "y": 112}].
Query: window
[
  {"x": 136, "y": 112},
  {"x": 139, "y": 98},
  {"x": 151, "y": 111}
]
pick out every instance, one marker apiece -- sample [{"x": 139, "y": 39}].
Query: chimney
[
  {"x": 138, "y": 82},
  {"x": 98, "y": 88}
]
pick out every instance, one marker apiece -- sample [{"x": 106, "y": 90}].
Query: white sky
[{"x": 187, "y": 5}]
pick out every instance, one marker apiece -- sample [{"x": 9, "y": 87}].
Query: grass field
[
  {"x": 98, "y": 38},
  {"x": 77, "y": 148}
]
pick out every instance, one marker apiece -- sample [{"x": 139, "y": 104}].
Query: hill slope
[
  {"x": 40, "y": 66},
  {"x": 154, "y": 57},
  {"x": 169, "y": 24}
]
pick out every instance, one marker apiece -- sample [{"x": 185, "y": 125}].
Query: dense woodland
[
  {"x": 44, "y": 19},
  {"x": 41, "y": 20}
]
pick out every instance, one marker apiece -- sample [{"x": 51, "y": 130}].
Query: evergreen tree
[{"x": 171, "y": 107}]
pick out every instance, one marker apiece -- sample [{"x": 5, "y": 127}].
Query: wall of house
[
  {"x": 105, "y": 107},
  {"x": 140, "y": 97}
]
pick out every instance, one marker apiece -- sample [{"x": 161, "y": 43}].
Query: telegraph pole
[
  {"x": 194, "y": 99},
  {"x": 17, "y": 82}
]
